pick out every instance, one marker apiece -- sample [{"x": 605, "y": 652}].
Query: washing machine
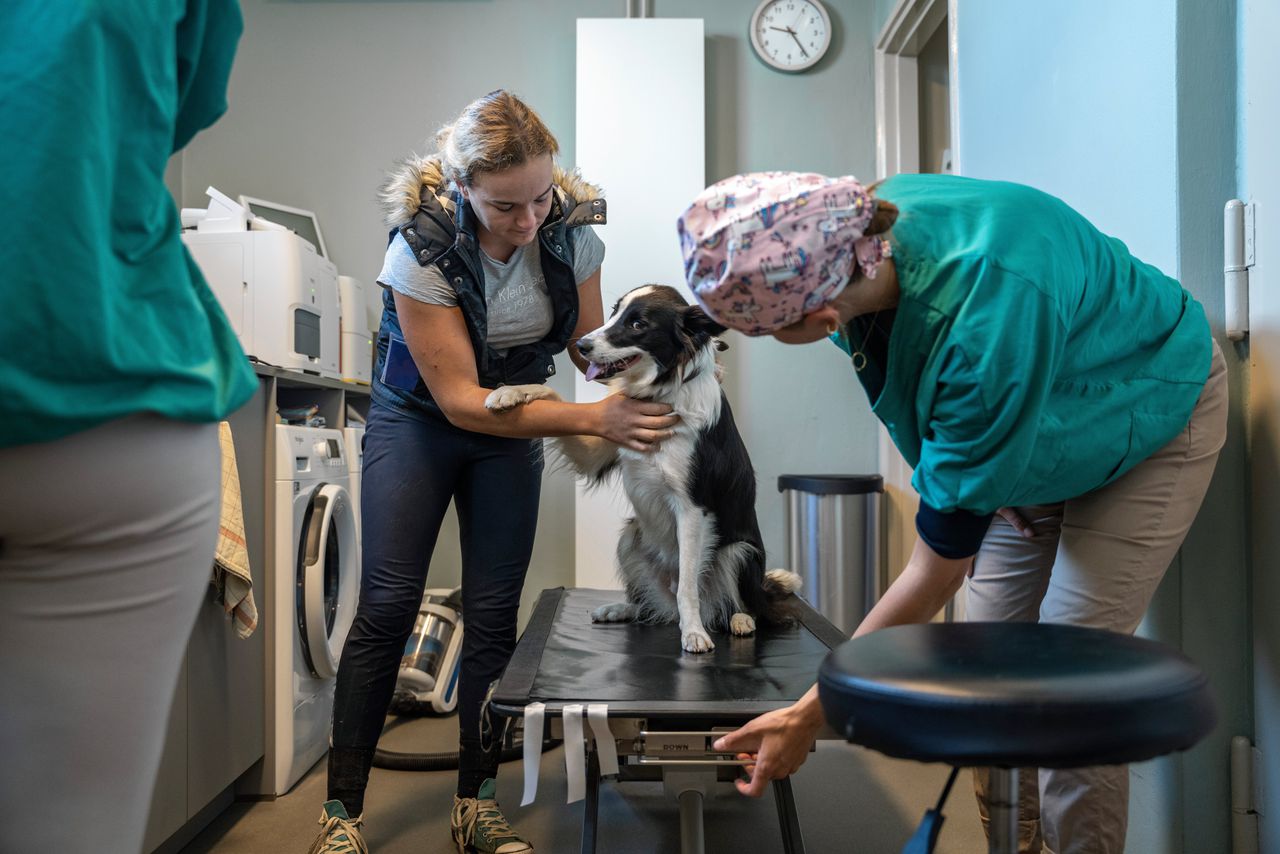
[
  {"x": 314, "y": 592},
  {"x": 354, "y": 436}
]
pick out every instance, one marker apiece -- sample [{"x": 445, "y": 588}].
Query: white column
[{"x": 640, "y": 136}]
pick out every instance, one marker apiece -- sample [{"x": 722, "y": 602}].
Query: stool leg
[
  {"x": 788, "y": 817},
  {"x": 1003, "y": 804}
]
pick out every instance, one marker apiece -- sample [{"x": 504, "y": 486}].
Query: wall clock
[{"x": 790, "y": 35}]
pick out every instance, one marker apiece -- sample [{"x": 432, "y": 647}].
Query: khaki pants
[
  {"x": 1095, "y": 561},
  {"x": 106, "y": 548}
]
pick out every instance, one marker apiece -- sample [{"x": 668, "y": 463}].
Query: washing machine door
[{"x": 328, "y": 578}]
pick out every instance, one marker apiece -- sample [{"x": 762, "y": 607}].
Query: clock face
[{"x": 790, "y": 35}]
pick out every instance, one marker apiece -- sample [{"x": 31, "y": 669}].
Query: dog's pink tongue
[{"x": 593, "y": 371}]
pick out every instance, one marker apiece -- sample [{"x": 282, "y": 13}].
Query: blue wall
[
  {"x": 1079, "y": 100},
  {"x": 884, "y": 8},
  {"x": 1127, "y": 112}
]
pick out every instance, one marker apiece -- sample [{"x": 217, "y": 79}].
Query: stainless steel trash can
[{"x": 833, "y": 542}]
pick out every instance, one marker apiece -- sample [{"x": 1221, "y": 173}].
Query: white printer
[{"x": 277, "y": 288}]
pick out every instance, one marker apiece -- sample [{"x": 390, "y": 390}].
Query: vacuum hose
[
  {"x": 405, "y": 706},
  {"x": 446, "y": 761}
]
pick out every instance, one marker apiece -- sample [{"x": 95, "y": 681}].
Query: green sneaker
[
  {"x": 479, "y": 827},
  {"x": 341, "y": 834}
]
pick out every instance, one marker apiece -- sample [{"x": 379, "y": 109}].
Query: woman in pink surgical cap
[{"x": 1061, "y": 402}]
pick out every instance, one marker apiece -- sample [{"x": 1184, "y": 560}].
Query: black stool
[{"x": 1005, "y": 695}]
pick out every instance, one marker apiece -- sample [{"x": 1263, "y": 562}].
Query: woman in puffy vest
[{"x": 490, "y": 271}]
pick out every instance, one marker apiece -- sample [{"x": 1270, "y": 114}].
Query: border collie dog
[{"x": 693, "y": 550}]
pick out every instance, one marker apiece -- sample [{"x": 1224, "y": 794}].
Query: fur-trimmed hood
[{"x": 401, "y": 193}]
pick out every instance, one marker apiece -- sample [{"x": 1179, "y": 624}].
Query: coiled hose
[{"x": 405, "y": 708}]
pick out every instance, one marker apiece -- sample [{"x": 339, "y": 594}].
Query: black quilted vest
[{"x": 450, "y": 245}]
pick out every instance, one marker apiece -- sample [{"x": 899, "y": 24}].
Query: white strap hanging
[
  {"x": 533, "y": 718},
  {"x": 575, "y": 757},
  {"x": 598, "y": 716}
]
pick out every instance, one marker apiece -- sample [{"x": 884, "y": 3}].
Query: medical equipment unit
[
  {"x": 271, "y": 278},
  {"x": 628, "y": 710}
]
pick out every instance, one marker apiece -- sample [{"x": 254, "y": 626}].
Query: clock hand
[{"x": 798, "y": 43}]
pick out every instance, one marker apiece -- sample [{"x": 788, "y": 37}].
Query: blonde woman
[{"x": 491, "y": 270}]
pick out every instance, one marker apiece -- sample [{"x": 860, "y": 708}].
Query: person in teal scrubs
[
  {"x": 1061, "y": 402},
  {"x": 116, "y": 364}
]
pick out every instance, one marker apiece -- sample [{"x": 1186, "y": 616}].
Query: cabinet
[{"x": 217, "y": 730}]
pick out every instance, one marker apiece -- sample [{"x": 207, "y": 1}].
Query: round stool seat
[{"x": 1014, "y": 694}]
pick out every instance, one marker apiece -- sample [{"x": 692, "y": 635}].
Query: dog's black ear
[{"x": 700, "y": 326}]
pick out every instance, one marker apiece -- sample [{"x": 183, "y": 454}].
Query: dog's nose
[{"x": 585, "y": 346}]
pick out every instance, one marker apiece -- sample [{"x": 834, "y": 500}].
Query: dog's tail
[
  {"x": 781, "y": 583},
  {"x": 779, "y": 607}
]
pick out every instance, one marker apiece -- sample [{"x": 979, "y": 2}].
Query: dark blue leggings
[{"x": 412, "y": 469}]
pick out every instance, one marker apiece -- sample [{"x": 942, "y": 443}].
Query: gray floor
[{"x": 849, "y": 800}]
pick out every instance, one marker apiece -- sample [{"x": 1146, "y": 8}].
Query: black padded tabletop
[
  {"x": 640, "y": 670},
  {"x": 1014, "y": 694}
]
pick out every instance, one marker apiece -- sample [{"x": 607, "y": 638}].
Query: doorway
[{"x": 915, "y": 70}]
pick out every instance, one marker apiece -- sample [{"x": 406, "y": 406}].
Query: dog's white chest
[
  {"x": 669, "y": 468},
  {"x": 657, "y": 484}
]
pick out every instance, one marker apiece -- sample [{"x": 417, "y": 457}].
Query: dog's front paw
[
  {"x": 508, "y": 397},
  {"x": 618, "y": 612},
  {"x": 696, "y": 640},
  {"x": 742, "y": 624}
]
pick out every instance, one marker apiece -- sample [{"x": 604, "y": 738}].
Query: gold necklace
[{"x": 858, "y": 357}]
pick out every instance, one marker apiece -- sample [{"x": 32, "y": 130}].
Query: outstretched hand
[
  {"x": 774, "y": 745},
  {"x": 640, "y": 425}
]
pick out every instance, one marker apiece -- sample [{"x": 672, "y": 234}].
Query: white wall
[{"x": 326, "y": 96}]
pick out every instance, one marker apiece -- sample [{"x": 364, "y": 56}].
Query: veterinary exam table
[{"x": 663, "y": 707}]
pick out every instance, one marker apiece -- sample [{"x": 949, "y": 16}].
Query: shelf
[{"x": 296, "y": 379}]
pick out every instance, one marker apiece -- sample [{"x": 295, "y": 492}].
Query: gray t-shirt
[{"x": 515, "y": 291}]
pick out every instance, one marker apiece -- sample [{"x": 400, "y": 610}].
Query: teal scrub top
[
  {"x": 1032, "y": 358},
  {"x": 103, "y": 313}
]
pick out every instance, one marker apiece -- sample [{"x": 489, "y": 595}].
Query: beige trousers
[
  {"x": 1095, "y": 561},
  {"x": 106, "y": 548}
]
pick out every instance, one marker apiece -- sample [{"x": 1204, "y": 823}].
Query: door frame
[
  {"x": 904, "y": 35},
  {"x": 908, "y": 29}
]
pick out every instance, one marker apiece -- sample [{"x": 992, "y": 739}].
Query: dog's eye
[{"x": 638, "y": 325}]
